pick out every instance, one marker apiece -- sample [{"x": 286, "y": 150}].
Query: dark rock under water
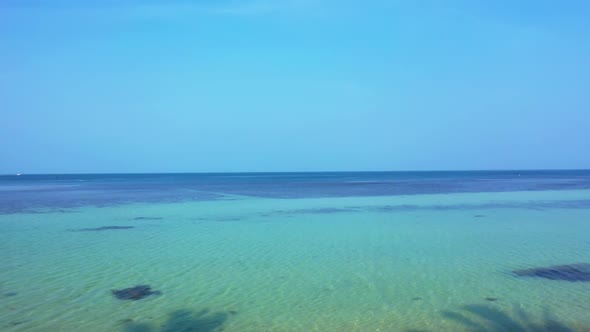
[
  {"x": 570, "y": 272},
  {"x": 148, "y": 218},
  {"x": 99, "y": 229},
  {"x": 134, "y": 293}
]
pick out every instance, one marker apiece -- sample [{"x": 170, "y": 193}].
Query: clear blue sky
[{"x": 293, "y": 85}]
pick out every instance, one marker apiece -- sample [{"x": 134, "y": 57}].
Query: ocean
[{"x": 332, "y": 251}]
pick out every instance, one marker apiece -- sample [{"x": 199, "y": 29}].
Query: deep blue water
[{"x": 34, "y": 192}]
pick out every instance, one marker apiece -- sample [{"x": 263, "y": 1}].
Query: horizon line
[{"x": 300, "y": 172}]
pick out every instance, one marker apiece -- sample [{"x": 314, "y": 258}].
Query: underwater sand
[{"x": 439, "y": 262}]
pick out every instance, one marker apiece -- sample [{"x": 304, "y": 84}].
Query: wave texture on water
[{"x": 39, "y": 192}]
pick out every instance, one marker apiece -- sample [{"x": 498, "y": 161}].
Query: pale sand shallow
[{"x": 299, "y": 265}]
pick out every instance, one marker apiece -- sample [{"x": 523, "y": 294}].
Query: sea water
[{"x": 294, "y": 251}]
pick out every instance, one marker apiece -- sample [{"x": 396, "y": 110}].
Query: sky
[{"x": 293, "y": 85}]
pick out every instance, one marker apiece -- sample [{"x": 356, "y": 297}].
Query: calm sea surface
[{"x": 378, "y": 251}]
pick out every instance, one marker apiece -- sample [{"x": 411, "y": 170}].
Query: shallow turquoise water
[{"x": 388, "y": 263}]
